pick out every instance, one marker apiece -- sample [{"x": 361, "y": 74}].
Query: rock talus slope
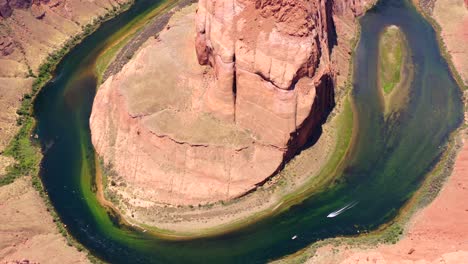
[{"x": 250, "y": 82}]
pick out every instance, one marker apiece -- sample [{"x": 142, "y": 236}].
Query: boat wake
[{"x": 339, "y": 211}]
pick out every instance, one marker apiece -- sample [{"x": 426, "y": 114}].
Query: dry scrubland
[{"x": 452, "y": 17}]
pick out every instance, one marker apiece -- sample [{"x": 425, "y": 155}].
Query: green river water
[{"x": 387, "y": 163}]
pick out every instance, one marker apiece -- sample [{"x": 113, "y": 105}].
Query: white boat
[
  {"x": 339, "y": 211},
  {"x": 294, "y": 237}
]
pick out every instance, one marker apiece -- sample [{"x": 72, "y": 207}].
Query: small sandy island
[{"x": 396, "y": 69}]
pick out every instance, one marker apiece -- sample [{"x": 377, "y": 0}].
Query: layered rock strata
[
  {"x": 31, "y": 30},
  {"x": 179, "y": 133}
]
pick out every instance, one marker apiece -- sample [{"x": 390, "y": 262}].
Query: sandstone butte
[{"x": 216, "y": 104}]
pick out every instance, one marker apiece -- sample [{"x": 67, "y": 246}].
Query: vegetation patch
[{"x": 24, "y": 151}]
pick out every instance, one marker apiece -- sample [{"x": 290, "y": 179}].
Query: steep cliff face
[
  {"x": 268, "y": 58},
  {"x": 149, "y": 123},
  {"x": 272, "y": 62},
  {"x": 6, "y": 6},
  {"x": 29, "y": 31},
  {"x": 213, "y": 132}
]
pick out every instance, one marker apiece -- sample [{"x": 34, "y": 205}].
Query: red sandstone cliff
[
  {"x": 269, "y": 86},
  {"x": 29, "y": 31},
  {"x": 266, "y": 57},
  {"x": 272, "y": 62}
]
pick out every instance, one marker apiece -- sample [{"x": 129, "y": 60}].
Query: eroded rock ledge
[{"x": 178, "y": 132}]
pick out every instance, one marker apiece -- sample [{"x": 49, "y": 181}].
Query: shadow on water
[{"x": 380, "y": 175}]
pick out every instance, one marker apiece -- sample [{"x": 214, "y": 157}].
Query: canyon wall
[
  {"x": 268, "y": 58},
  {"x": 29, "y": 31},
  {"x": 250, "y": 82},
  {"x": 272, "y": 64}
]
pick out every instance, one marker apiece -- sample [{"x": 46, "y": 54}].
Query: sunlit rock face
[
  {"x": 271, "y": 59},
  {"x": 241, "y": 98}
]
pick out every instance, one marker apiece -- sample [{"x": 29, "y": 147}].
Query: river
[{"x": 387, "y": 163}]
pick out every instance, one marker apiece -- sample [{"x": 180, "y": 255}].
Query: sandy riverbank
[
  {"x": 25, "y": 43},
  {"x": 452, "y": 17}
]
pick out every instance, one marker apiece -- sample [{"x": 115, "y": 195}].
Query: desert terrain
[
  {"x": 28, "y": 231},
  {"x": 29, "y": 32},
  {"x": 435, "y": 234},
  {"x": 176, "y": 160},
  {"x": 439, "y": 232},
  {"x": 233, "y": 132}
]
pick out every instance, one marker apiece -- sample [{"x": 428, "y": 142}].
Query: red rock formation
[
  {"x": 164, "y": 147},
  {"x": 5, "y": 9},
  {"x": 22, "y": 4},
  {"x": 6, "y": 45},
  {"x": 7, "y": 6},
  {"x": 269, "y": 56},
  {"x": 272, "y": 81},
  {"x": 349, "y": 7},
  {"x": 37, "y": 10}
]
